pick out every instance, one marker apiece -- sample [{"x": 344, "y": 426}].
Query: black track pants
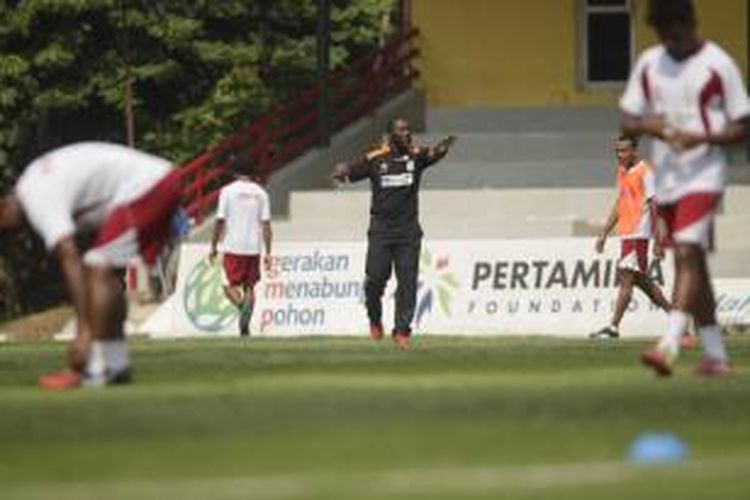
[{"x": 382, "y": 256}]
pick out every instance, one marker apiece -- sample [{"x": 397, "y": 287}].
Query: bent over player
[
  {"x": 128, "y": 198},
  {"x": 394, "y": 237}
]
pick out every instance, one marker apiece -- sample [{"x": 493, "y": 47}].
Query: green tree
[{"x": 187, "y": 73}]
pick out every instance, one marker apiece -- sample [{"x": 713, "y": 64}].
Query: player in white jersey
[
  {"x": 243, "y": 217},
  {"x": 128, "y": 199},
  {"x": 687, "y": 94}
]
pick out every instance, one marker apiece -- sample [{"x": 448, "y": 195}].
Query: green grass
[{"x": 343, "y": 418}]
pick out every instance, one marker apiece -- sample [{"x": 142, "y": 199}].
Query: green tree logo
[
  {"x": 436, "y": 285},
  {"x": 204, "y": 301}
]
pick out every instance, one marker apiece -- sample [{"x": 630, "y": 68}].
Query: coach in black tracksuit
[{"x": 395, "y": 171}]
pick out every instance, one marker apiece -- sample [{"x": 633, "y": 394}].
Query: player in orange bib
[{"x": 634, "y": 215}]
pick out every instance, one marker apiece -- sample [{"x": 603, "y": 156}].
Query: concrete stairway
[
  {"x": 343, "y": 215},
  {"x": 524, "y": 173}
]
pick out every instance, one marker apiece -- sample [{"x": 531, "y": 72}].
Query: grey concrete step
[
  {"x": 466, "y": 204},
  {"x": 737, "y": 197},
  {"x": 510, "y": 147},
  {"x": 453, "y": 175},
  {"x": 727, "y": 263},
  {"x": 582, "y": 203},
  {"x": 478, "y": 119},
  {"x": 355, "y": 229},
  {"x": 532, "y": 174},
  {"x": 733, "y": 232}
]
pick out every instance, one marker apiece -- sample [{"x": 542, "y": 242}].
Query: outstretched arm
[
  {"x": 439, "y": 150},
  {"x": 352, "y": 171}
]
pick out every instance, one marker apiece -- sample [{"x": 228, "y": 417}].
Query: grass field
[{"x": 343, "y": 418}]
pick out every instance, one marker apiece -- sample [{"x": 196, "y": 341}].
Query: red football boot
[
  {"x": 60, "y": 381},
  {"x": 401, "y": 338},
  {"x": 658, "y": 361},
  {"x": 376, "y": 332},
  {"x": 709, "y": 367}
]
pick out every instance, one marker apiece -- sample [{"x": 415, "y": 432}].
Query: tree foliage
[{"x": 196, "y": 70}]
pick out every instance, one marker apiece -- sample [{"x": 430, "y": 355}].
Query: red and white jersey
[
  {"x": 78, "y": 186},
  {"x": 243, "y": 205},
  {"x": 702, "y": 94}
]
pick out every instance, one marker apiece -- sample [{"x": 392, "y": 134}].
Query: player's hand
[
  {"x": 448, "y": 141},
  {"x": 652, "y": 125},
  {"x": 267, "y": 261},
  {"x": 599, "y": 245},
  {"x": 681, "y": 141},
  {"x": 658, "y": 250},
  {"x": 212, "y": 255},
  {"x": 444, "y": 145},
  {"x": 78, "y": 349},
  {"x": 340, "y": 172}
]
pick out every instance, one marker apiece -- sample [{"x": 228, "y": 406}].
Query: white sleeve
[
  {"x": 265, "y": 209},
  {"x": 48, "y": 216},
  {"x": 649, "y": 184},
  {"x": 634, "y": 101},
  {"x": 736, "y": 101},
  {"x": 221, "y": 209}
]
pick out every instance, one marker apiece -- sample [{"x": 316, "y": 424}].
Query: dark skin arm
[
  {"x": 342, "y": 172},
  {"x": 659, "y": 230},
  {"x": 215, "y": 237},
  {"x": 439, "y": 150},
  {"x": 608, "y": 227},
  {"x": 267, "y": 240},
  {"x": 679, "y": 140},
  {"x": 74, "y": 271},
  {"x": 652, "y": 126}
]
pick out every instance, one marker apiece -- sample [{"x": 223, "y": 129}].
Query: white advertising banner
[
  {"x": 733, "y": 301},
  {"x": 309, "y": 290},
  {"x": 548, "y": 287}
]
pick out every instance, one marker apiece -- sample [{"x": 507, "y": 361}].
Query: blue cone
[{"x": 655, "y": 448}]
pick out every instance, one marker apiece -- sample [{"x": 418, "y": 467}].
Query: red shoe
[
  {"x": 60, "y": 381},
  {"x": 376, "y": 332},
  {"x": 657, "y": 361},
  {"x": 689, "y": 341},
  {"x": 713, "y": 367},
  {"x": 401, "y": 339}
]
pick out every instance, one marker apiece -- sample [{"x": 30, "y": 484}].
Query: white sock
[
  {"x": 713, "y": 344},
  {"x": 116, "y": 355},
  {"x": 95, "y": 364},
  {"x": 677, "y": 323}
]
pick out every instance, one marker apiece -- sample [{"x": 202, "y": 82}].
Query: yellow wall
[{"x": 525, "y": 52}]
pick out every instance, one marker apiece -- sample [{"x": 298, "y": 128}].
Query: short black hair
[
  {"x": 662, "y": 13},
  {"x": 239, "y": 164},
  {"x": 632, "y": 139},
  {"x": 392, "y": 123}
]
